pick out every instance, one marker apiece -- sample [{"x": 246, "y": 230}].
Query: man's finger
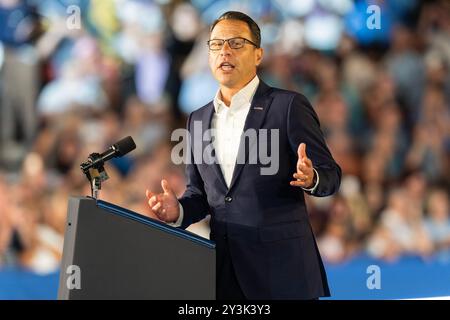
[
  {"x": 304, "y": 167},
  {"x": 300, "y": 163},
  {"x": 301, "y": 151},
  {"x": 166, "y": 187},
  {"x": 149, "y": 194},
  {"x": 297, "y": 183},
  {"x": 153, "y": 200},
  {"x": 156, "y": 207},
  {"x": 308, "y": 162},
  {"x": 301, "y": 177}
]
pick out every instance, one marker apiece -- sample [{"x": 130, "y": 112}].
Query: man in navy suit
[{"x": 264, "y": 243}]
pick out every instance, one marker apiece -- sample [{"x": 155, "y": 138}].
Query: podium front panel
[{"x": 114, "y": 253}]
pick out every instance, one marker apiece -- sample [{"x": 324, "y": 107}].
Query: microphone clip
[
  {"x": 94, "y": 169},
  {"x": 95, "y": 172}
]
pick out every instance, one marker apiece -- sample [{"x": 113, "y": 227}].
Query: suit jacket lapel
[
  {"x": 207, "y": 143},
  {"x": 255, "y": 119}
]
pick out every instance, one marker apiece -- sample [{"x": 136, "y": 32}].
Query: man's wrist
[
  {"x": 315, "y": 182},
  {"x": 179, "y": 221}
]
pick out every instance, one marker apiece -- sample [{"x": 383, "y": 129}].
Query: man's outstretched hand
[
  {"x": 164, "y": 205},
  {"x": 305, "y": 172}
]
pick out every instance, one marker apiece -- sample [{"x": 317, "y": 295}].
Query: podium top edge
[{"x": 129, "y": 214}]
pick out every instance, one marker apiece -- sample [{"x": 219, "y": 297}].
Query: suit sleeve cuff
[
  {"x": 178, "y": 223},
  {"x": 311, "y": 190}
]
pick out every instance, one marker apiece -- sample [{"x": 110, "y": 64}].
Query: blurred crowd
[{"x": 78, "y": 75}]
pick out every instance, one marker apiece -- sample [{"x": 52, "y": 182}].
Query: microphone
[{"x": 118, "y": 149}]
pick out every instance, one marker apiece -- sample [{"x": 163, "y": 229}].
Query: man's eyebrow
[{"x": 230, "y": 37}]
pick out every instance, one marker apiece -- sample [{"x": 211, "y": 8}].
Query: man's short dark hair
[{"x": 236, "y": 15}]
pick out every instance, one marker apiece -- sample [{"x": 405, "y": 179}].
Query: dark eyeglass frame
[{"x": 228, "y": 40}]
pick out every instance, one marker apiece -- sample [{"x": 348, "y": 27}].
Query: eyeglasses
[{"x": 234, "y": 43}]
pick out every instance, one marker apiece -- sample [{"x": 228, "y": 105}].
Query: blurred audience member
[
  {"x": 437, "y": 222},
  {"x": 401, "y": 229}
]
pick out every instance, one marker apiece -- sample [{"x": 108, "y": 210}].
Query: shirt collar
[{"x": 240, "y": 99}]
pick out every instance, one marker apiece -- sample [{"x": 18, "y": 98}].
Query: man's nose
[{"x": 226, "y": 50}]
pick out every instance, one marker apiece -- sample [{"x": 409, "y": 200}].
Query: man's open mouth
[{"x": 226, "y": 66}]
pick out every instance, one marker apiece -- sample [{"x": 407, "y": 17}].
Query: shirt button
[{"x": 228, "y": 199}]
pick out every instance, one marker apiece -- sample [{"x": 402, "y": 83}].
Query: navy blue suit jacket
[{"x": 265, "y": 219}]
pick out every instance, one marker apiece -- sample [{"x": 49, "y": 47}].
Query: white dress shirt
[{"x": 227, "y": 124}]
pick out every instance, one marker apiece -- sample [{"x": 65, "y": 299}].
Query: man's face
[{"x": 234, "y": 68}]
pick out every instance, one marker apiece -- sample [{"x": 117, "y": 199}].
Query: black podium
[{"x": 114, "y": 253}]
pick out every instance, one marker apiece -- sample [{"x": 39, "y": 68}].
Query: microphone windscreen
[{"x": 124, "y": 146}]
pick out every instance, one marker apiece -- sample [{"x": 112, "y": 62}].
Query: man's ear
[{"x": 259, "y": 55}]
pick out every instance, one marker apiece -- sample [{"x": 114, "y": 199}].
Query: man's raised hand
[
  {"x": 164, "y": 205},
  {"x": 305, "y": 172}
]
